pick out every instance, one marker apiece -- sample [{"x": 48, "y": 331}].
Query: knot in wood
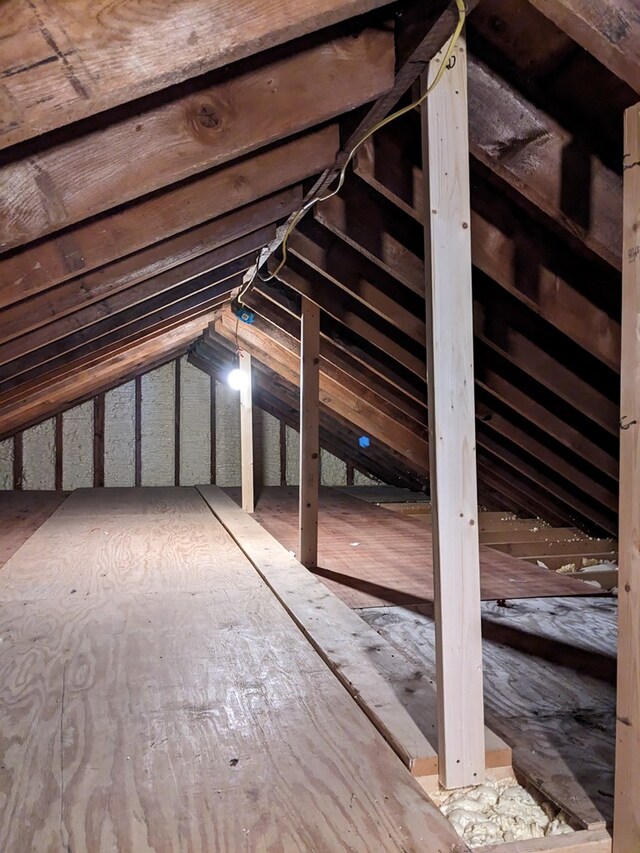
[{"x": 208, "y": 117}]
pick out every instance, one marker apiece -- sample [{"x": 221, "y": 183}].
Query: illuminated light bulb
[{"x": 237, "y": 379}]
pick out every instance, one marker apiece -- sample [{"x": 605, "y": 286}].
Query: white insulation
[
  {"x": 77, "y": 447},
  {"x": 195, "y": 425},
  {"x": 6, "y": 464},
  {"x": 120, "y": 436},
  {"x": 39, "y": 456},
  {"x": 158, "y": 417}
]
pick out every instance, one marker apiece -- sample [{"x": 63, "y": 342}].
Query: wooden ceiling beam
[
  {"x": 62, "y": 394},
  {"x": 282, "y": 400},
  {"x": 350, "y": 312},
  {"x": 153, "y": 316},
  {"x": 368, "y": 283},
  {"x": 507, "y": 252},
  {"x": 55, "y": 313},
  {"x": 198, "y": 130},
  {"x": 280, "y": 295},
  {"x": 149, "y": 221},
  {"x": 342, "y": 359},
  {"x": 70, "y": 62},
  {"x": 608, "y": 30},
  {"x": 353, "y": 402}
]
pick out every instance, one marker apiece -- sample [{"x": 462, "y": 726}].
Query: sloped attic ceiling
[{"x": 139, "y": 182}]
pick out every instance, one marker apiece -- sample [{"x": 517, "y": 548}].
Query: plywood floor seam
[{"x": 155, "y": 697}]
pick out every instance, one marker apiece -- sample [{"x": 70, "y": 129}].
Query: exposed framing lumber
[
  {"x": 439, "y": 31},
  {"x": 456, "y": 562},
  {"x": 361, "y": 659},
  {"x": 309, "y": 434},
  {"x": 177, "y": 418},
  {"x": 350, "y": 400},
  {"x": 626, "y": 824},
  {"x": 190, "y": 133},
  {"x": 59, "y": 451},
  {"x": 582, "y": 841},
  {"x": 56, "y": 84},
  {"x": 98, "y": 440},
  {"x": 218, "y": 246},
  {"x": 149, "y": 221},
  {"x": 608, "y": 30},
  {"x": 246, "y": 432}
]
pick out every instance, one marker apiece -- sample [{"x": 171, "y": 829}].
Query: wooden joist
[
  {"x": 626, "y": 823},
  {"x": 67, "y": 63},
  {"x": 149, "y": 221},
  {"x": 199, "y": 130},
  {"x": 246, "y": 432},
  {"x": 608, "y": 30},
  {"x": 340, "y": 394}
]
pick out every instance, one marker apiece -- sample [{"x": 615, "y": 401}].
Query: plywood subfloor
[
  {"x": 559, "y": 718},
  {"x": 21, "y": 514},
  {"x": 154, "y": 696},
  {"x": 371, "y": 556}
]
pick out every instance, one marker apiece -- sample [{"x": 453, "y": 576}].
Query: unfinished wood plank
[
  {"x": 191, "y": 133},
  {"x": 626, "y": 825},
  {"x": 454, "y": 498},
  {"x": 151, "y": 220},
  {"x": 68, "y": 63},
  {"x": 21, "y": 514},
  {"x": 309, "y": 433},
  {"x": 246, "y": 432},
  {"x": 559, "y": 721},
  {"x": 200, "y": 675},
  {"x": 356, "y": 656},
  {"x": 585, "y": 841},
  {"x": 608, "y": 30}
]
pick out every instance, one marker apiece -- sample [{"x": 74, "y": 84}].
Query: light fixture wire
[{"x": 246, "y": 286}]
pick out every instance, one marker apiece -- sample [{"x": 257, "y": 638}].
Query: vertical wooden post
[
  {"x": 452, "y": 425},
  {"x": 309, "y": 433},
  {"x": 626, "y": 822},
  {"x": 246, "y": 433},
  {"x": 98, "y": 440}
]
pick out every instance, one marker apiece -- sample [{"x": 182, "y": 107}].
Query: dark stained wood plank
[
  {"x": 121, "y": 367},
  {"x": 59, "y": 451},
  {"x": 138, "y": 431},
  {"x": 50, "y": 306},
  {"x": 46, "y": 190},
  {"x": 391, "y": 564},
  {"x": 149, "y": 221},
  {"x": 608, "y": 30},
  {"x": 69, "y": 62},
  {"x": 21, "y": 514}
]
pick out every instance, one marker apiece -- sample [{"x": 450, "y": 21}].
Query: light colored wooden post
[
  {"x": 626, "y": 822},
  {"x": 309, "y": 432},
  {"x": 461, "y": 752},
  {"x": 246, "y": 433}
]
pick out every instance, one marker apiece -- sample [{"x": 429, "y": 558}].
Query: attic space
[{"x": 319, "y": 426}]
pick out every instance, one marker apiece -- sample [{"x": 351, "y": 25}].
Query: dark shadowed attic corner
[{"x": 319, "y": 449}]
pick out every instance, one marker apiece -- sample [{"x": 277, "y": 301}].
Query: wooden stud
[
  {"x": 309, "y": 432},
  {"x": 17, "y": 461},
  {"x": 59, "y": 453},
  {"x": 98, "y": 441},
  {"x": 246, "y": 433},
  {"x": 212, "y": 419},
  {"x": 451, "y": 427},
  {"x": 283, "y": 452},
  {"x": 138, "y": 430},
  {"x": 176, "y": 453},
  {"x": 626, "y": 824}
]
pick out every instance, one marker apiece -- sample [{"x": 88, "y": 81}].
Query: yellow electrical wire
[{"x": 460, "y": 5}]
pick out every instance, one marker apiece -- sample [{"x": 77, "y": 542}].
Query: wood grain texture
[
  {"x": 163, "y": 721},
  {"x": 608, "y": 30},
  {"x": 151, "y": 220},
  {"x": 190, "y": 134},
  {"x": 558, "y": 721},
  {"x": 309, "y": 434},
  {"x": 452, "y": 437},
  {"x": 67, "y": 63},
  {"x": 247, "y": 445},
  {"x": 369, "y": 668},
  {"x": 626, "y": 834},
  {"x": 391, "y": 564},
  {"x": 586, "y": 841},
  {"x": 21, "y": 514}
]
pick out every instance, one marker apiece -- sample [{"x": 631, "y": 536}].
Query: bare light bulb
[{"x": 237, "y": 379}]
